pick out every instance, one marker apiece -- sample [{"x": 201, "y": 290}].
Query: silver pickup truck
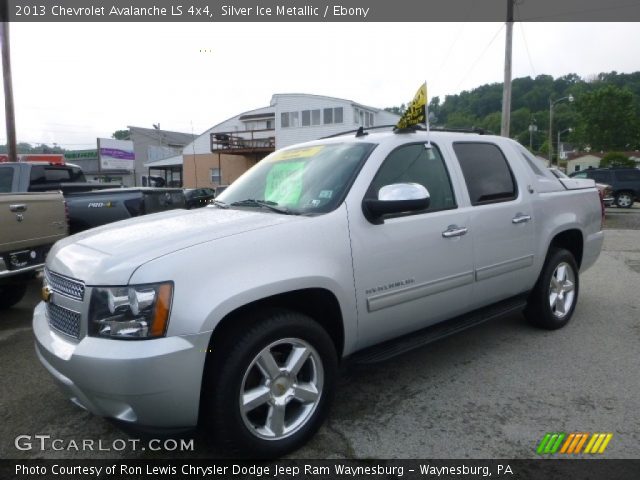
[{"x": 363, "y": 246}]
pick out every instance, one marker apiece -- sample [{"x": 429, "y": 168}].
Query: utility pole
[
  {"x": 506, "y": 89},
  {"x": 8, "y": 88}
]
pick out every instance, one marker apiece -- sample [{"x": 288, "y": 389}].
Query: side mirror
[{"x": 396, "y": 198}]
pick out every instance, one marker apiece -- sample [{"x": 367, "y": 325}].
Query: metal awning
[{"x": 166, "y": 162}]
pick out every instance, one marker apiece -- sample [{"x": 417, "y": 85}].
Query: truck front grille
[
  {"x": 64, "y": 285},
  {"x": 64, "y": 320}
]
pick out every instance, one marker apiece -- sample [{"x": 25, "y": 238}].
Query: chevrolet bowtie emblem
[{"x": 46, "y": 294}]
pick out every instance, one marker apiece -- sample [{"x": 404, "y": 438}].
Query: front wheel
[
  {"x": 624, "y": 200},
  {"x": 553, "y": 299},
  {"x": 269, "y": 386}
]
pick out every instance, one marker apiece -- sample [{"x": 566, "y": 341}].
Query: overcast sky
[{"x": 75, "y": 82}]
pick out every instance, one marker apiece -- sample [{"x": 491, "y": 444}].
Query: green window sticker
[{"x": 284, "y": 183}]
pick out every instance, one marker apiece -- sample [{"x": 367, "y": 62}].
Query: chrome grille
[
  {"x": 66, "y": 286},
  {"x": 64, "y": 320}
]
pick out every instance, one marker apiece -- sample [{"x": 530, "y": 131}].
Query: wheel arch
[
  {"x": 571, "y": 240},
  {"x": 319, "y": 304}
]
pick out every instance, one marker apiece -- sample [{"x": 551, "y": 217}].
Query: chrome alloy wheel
[
  {"x": 281, "y": 389},
  {"x": 562, "y": 290},
  {"x": 624, "y": 200}
]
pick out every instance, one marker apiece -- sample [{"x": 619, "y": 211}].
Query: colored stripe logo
[{"x": 573, "y": 443}]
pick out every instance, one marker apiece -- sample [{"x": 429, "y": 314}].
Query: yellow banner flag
[{"x": 415, "y": 112}]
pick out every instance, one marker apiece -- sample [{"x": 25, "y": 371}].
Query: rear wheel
[
  {"x": 269, "y": 386},
  {"x": 554, "y": 298},
  {"x": 624, "y": 200},
  {"x": 10, "y": 294}
]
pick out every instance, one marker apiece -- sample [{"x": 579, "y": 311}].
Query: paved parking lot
[
  {"x": 492, "y": 391},
  {"x": 623, "y": 218}
]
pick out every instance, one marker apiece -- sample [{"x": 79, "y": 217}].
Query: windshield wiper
[
  {"x": 220, "y": 203},
  {"x": 250, "y": 202}
]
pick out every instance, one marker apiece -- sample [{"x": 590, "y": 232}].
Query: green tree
[
  {"x": 616, "y": 159},
  {"x": 461, "y": 120},
  {"x": 609, "y": 118},
  {"x": 124, "y": 134}
]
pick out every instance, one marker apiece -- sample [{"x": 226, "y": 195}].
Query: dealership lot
[{"x": 492, "y": 391}]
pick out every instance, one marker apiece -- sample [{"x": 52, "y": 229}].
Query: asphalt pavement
[{"x": 490, "y": 392}]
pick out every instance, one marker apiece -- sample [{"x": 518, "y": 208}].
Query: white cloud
[{"x": 75, "y": 82}]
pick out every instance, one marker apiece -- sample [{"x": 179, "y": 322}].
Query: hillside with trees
[{"x": 604, "y": 116}]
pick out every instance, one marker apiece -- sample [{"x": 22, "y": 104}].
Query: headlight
[{"x": 134, "y": 312}]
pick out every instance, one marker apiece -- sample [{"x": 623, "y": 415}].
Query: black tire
[
  {"x": 624, "y": 199},
  {"x": 10, "y": 294},
  {"x": 232, "y": 369},
  {"x": 540, "y": 312}
]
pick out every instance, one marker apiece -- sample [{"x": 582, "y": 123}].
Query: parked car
[
  {"x": 625, "y": 182},
  {"x": 198, "y": 197},
  {"x": 30, "y": 223},
  {"x": 359, "y": 246},
  {"x": 89, "y": 204}
]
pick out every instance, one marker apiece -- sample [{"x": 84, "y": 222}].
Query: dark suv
[{"x": 625, "y": 182}]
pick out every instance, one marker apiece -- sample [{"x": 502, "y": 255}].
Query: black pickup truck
[{"x": 89, "y": 204}]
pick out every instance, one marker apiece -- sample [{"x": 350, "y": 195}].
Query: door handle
[
  {"x": 454, "y": 231},
  {"x": 521, "y": 218},
  {"x": 18, "y": 207}
]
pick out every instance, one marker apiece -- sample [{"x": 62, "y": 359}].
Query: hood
[{"x": 108, "y": 255}]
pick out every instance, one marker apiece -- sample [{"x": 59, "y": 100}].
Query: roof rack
[
  {"x": 360, "y": 132},
  {"x": 421, "y": 128}
]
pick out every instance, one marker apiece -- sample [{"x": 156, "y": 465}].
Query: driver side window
[{"x": 415, "y": 163}]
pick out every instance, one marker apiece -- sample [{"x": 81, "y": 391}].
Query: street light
[
  {"x": 560, "y": 133},
  {"x": 551, "y": 105}
]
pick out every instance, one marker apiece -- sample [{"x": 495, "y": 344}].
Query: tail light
[{"x": 601, "y": 195}]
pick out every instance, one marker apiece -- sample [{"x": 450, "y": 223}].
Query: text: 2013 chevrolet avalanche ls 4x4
[{"x": 367, "y": 245}]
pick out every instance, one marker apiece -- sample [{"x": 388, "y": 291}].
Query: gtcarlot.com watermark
[{"x": 48, "y": 443}]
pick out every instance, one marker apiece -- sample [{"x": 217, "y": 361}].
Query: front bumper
[{"x": 152, "y": 383}]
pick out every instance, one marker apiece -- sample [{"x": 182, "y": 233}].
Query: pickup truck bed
[{"x": 92, "y": 209}]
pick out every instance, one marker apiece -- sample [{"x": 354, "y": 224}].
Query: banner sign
[{"x": 116, "y": 154}]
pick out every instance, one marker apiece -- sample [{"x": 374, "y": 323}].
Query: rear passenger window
[
  {"x": 628, "y": 175},
  {"x": 486, "y": 173},
  {"x": 415, "y": 163},
  {"x": 6, "y": 179}
]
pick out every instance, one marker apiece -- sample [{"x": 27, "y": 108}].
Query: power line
[
  {"x": 526, "y": 45},
  {"x": 480, "y": 56}
]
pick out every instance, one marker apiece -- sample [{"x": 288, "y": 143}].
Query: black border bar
[
  {"x": 321, "y": 10},
  {"x": 593, "y": 469}
]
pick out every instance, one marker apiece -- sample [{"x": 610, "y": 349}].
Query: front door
[{"x": 411, "y": 270}]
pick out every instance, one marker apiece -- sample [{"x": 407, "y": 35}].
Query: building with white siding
[{"x": 227, "y": 150}]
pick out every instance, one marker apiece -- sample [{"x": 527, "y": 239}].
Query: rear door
[{"x": 501, "y": 222}]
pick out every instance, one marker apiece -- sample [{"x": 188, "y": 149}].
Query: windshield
[{"x": 311, "y": 179}]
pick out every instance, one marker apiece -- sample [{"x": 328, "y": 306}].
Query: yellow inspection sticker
[{"x": 296, "y": 153}]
